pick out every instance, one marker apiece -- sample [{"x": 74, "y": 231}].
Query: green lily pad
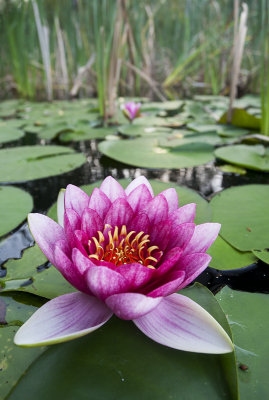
[
  {"x": 247, "y": 315},
  {"x": 118, "y": 362},
  {"x": 262, "y": 255},
  {"x": 243, "y": 214},
  {"x": 53, "y": 130},
  {"x": 9, "y": 134},
  {"x": 133, "y": 130},
  {"x": 147, "y": 153},
  {"x": 86, "y": 132},
  {"x": 232, "y": 169},
  {"x": 198, "y": 127},
  {"x": 242, "y": 118},
  {"x": 252, "y": 157},
  {"x": 15, "y": 204},
  {"x": 33, "y": 162},
  {"x": 226, "y": 257},
  {"x": 47, "y": 283},
  {"x": 14, "y": 360},
  {"x": 172, "y": 105}
]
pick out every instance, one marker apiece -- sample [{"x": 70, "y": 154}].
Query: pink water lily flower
[
  {"x": 127, "y": 253},
  {"x": 131, "y": 110}
]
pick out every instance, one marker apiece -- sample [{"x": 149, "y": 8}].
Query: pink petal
[
  {"x": 141, "y": 180},
  {"x": 140, "y": 223},
  {"x": 120, "y": 213},
  {"x": 183, "y": 214},
  {"x": 157, "y": 209},
  {"x": 139, "y": 198},
  {"x": 193, "y": 265},
  {"x": 136, "y": 274},
  {"x": 63, "y": 318},
  {"x": 169, "y": 261},
  {"x": 91, "y": 222},
  {"x": 182, "y": 324},
  {"x": 169, "y": 287},
  {"x": 68, "y": 269},
  {"x": 99, "y": 202},
  {"x": 76, "y": 199},
  {"x": 103, "y": 282},
  {"x": 172, "y": 199},
  {"x": 160, "y": 234},
  {"x": 60, "y": 207},
  {"x": 81, "y": 262},
  {"x": 72, "y": 223},
  {"x": 181, "y": 235},
  {"x": 131, "y": 305},
  {"x": 112, "y": 189},
  {"x": 45, "y": 232},
  {"x": 204, "y": 235}
]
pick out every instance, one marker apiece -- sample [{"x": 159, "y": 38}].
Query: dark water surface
[{"x": 206, "y": 179}]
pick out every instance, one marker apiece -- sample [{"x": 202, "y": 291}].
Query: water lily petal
[
  {"x": 204, "y": 235},
  {"x": 157, "y": 209},
  {"x": 76, "y": 199},
  {"x": 139, "y": 198},
  {"x": 160, "y": 234},
  {"x": 181, "y": 235},
  {"x": 141, "y": 180},
  {"x": 182, "y": 324},
  {"x": 132, "y": 305},
  {"x": 169, "y": 287},
  {"x": 140, "y": 223},
  {"x": 136, "y": 274},
  {"x": 72, "y": 222},
  {"x": 45, "y": 232},
  {"x": 103, "y": 282},
  {"x": 81, "y": 262},
  {"x": 120, "y": 213},
  {"x": 63, "y": 318},
  {"x": 99, "y": 202},
  {"x": 169, "y": 260},
  {"x": 60, "y": 207},
  {"x": 183, "y": 214},
  {"x": 193, "y": 265},
  {"x": 91, "y": 222},
  {"x": 172, "y": 199},
  {"x": 112, "y": 189}
]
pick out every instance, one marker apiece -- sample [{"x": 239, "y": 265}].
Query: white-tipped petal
[
  {"x": 63, "y": 318},
  {"x": 60, "y": 207},
  {"x": 182, "y": 324}
]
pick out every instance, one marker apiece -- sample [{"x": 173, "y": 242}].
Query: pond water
[{"x": 206, "y": 179}]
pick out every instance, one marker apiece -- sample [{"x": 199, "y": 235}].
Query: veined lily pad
[
  {"x": 131, "y": 365},
  {"x": 8, "y": 134},
  {"x": 86, "y": 132},
  {"x": 243, "y": 214},
  {"x": 33, "y": 162},
  {"x": 147, "y": 153},
  {"x": 226, "y": 257},
  {"x": 15, "y": 204},
  {"x": 14, "y": 361},
  {"x": 252, "y": 157},
  {"x": 247, "y": 315}
]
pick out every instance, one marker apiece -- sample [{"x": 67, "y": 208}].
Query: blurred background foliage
[{"x": 155, "y": 48}]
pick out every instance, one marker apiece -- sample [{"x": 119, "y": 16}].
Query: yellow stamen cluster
[{"x": 124, "y": 248}]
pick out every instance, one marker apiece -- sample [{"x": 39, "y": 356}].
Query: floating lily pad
[
  {"x": 133, "y": 130},
  {"x": 32, "y": 162},
  {"x": 53, "y": 130},
  {"x": 14, "y": 361},
  {"x": 247, "y": 314},
  {"x": 147, "y": 153},
  {"x": 172, "y": 105},
  {"x": 15, "y": 204},
  {"x": 263, "y": 255},
  {"x": 226, "y": 257},
  {"x": 118, "y": 362},
  {"x": 86, "y": 132},
  {"x": 242, "y": 118},
  {"x": 232, "y": 169},
  {"x": 252, "y": 157},
  {"x": 243, "y": 214},
  {"x": 26, "y": 275},
  {"x": 8, "y": 134}
]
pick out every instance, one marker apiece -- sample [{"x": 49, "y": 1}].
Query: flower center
[{"x": 122, "y": 247}]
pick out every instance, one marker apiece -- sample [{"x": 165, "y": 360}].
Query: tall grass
[{"x": 152, "y": 47}]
